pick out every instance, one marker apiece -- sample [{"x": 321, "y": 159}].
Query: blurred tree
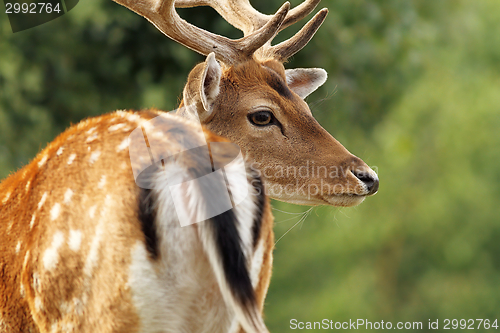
[
  {"x": 100, "y": 57},
  {"x": 413, "y": 88},
  {"x": 426, "y": 247}
]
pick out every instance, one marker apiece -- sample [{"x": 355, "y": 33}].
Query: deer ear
[
  {"x": 304, "y": 81},
  {"x": 210, "y": 81}
]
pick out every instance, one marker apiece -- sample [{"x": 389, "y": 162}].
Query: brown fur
[
  {"x": 247, "y": 86},
  {"x": 63, "y": 298}
]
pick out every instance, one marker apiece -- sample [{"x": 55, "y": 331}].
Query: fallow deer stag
[{"x": 85, "y": 249}]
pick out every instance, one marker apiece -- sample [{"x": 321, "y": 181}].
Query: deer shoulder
[{"x": 84, "y": 249}]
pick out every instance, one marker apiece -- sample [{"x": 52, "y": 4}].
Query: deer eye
[{"x": 261, "y": 118}]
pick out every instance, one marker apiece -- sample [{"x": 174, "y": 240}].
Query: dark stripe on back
[
  {"x": 147, "y": 217},
  {"x": 228, "y": 244},
  {"x": 260, "y": 201}
]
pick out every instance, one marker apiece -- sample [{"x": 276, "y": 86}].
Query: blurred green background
[{"x": 413, "y": 89}]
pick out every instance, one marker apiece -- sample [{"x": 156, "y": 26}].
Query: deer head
[{"x": 243, "y": 92}]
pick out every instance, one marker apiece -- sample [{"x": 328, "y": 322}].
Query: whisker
[
  {"x": 282, "y": 211},
  {"x": 302, "y": 219}
]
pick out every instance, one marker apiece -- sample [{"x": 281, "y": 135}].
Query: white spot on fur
[
  {"x": 32, "y": 221},
  {"x": 18, "y": 247},
  {"x": 116, "y": 127},
  {"x": 71, "y": 158},
  {"x": 42, "y": 161},
  {"x": 124, "y": 145},
  {"x": 6, "y": 198},
  {"x": 38, "y": 303},
  {"x": 60, "y": 151},
  {"x": 42, "y": 201},
  {"x": 92, "y": 211},
  {"x": 102, "y": 182},
  {"x": 92, "y": 138},
  {"x": 93, "y": 255},
  {"x": 67, "y": 196},
  {"x": 75, "y": 240},
  {"x": 64, "y": 308},
  {"x": 132, "y": 117},
  {"x": 85, "y": 298},
  {"x": 90, "y": 131},
  {"x": 28, "y": 185},
  {"x": 26, "y": 256},
  {"x": 55, "y": 211},
  {"x": 22, "y": 291},
  {"x": 78, "y": 305},
  {"x": 94, "y": 157},
  {"x": 68, "y": 327},
  {"x": 51, "y": 255},
  {"x": 36, "y": 282}
]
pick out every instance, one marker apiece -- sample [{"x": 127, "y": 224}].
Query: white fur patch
[
  {"x": 60, "y": 151},
  {"x": 42, "y": 201},
  {"x": 116, "y": 127},
  {"x": 92, "y": 130},
  {"x": 32, "y": 222},
  {"x": 55, "y": 211},
  {"x": 92, "y": 211},
  {"x": 71, "y": 158},
  {"x": 28, "y": 185},
  {"x": 123, "y": 145},
  {"x": 18, "y": 247},
  {"x": 67, "y": 196},
  {"x": 102, "y": 182},
  {"x": 26, "y": 257},
  {"x": 94, "y": 157},
  {"x": 41, "y": 163},
  {"x": 38, "y": 303},
  {"x": 147, "y": 291},
  {"x": 93, "y": 255},
  {"x": 36, "y": 282},
  {"x": 92, "y": 138},
  {"x": 6, "y": 198},
  {"x": 51, "y": 255},
  {"x": 257, "y": 261},
  {"x": 132, "y": 117},
  {"x": 75, "y": 240}
]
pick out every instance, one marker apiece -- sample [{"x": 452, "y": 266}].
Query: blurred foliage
[{"x": 413, "y": 89}]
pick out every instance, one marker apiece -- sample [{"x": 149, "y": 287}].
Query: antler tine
[
  {"x": 239, "y": 13},
  {"x": 298, "y": 13},
  {"x": 163, "y": 15},
  {"x": 243, "y": 16},
  {"x": 288, "y": 48}
]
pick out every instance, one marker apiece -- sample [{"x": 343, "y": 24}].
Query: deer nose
[{"x": 370, "y": 179}]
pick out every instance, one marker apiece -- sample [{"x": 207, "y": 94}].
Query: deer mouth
[{"x": 345, "y": 200}]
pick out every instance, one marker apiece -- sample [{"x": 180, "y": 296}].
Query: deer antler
[{"x": 258, "y": 29}]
